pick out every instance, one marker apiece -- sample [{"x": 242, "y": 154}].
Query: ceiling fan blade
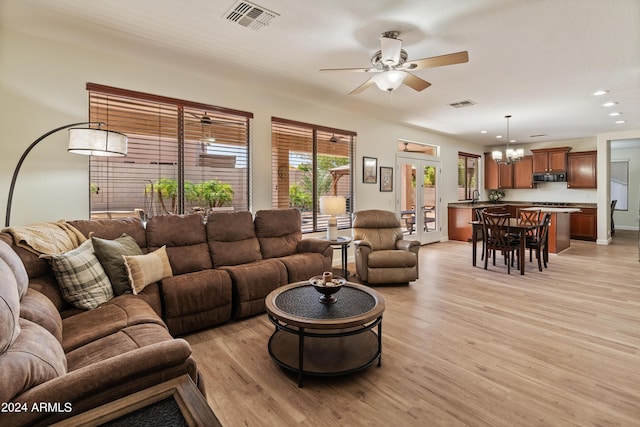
[
  {"x": 415, "y": 82},
  {"x": 437, "y": 61},
  {"x": 358, "y": 70},
  {"x": 390, "y": 50},
  {"x": 362, "y": 87}
]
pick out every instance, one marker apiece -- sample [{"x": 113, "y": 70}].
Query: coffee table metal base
[{"x": 318, "y": 352}]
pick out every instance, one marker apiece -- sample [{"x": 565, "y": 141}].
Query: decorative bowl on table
[{"x": 327, "y": 287}]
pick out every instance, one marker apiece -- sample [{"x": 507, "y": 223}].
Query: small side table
[{"x": 341, "y": 243}]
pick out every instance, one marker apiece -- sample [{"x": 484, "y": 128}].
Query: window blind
[
  {"x": 183, "y": 156},
  {"x": 310, "y": 161}
]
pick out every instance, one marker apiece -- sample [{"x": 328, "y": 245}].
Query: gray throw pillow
[
  {"x": 109, "y": 253},
  {"x": 82, "y": 280}
]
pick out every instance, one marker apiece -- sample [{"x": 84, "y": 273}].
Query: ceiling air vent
[
  {"x": 539, "y": 135},
  {"x": 462, "y": 104},
  {"x": 250, "y": 15}
]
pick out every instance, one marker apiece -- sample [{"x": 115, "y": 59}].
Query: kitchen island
[
  {"x": 575, "y": 220},
  {"x": 559, "y": 227}
]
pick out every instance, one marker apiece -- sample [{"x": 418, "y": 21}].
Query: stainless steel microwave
[{"x": 550, "y": 177}]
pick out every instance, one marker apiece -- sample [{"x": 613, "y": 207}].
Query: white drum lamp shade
[
  {"x": 97, "y": 142},
  {"x": 333, "y": 205}
]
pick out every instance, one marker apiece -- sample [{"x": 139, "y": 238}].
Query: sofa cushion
[
  {"x": 278, "y": 231},
  {"x": 13, "y": 261},
  {"x": 185, "y": 238},
  {"x": 392, "y": 259},
  {"x": 146, "y": 269},
  {"x": 252, "y": 282},
  {"x": 9, "y": 305},
  {"x": 109, "y": 253},
  {"x": 119, "y": 313},
  {"x": 124, "y": 340},
  {"x": 39, "y": 309},
  {"x": 232, "y": 238},
  {"x": 196, "y": 300},
  {"x": 34, "y": 358},
  {"x": 113, "y": 228},
  {"x": 81, "y": 278},
  {"x": 304, "y": 266}
]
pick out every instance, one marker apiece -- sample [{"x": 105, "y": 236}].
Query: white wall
[{"x": 42, "y": 86}]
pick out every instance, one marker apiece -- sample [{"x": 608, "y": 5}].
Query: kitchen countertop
[
  {"x": 487, "y": 204},
  {"x": 552, "y": 209}
]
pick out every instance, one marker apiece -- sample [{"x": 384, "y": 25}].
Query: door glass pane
[
  {"x": 408, "y": 197},
  {"x": 430, "y": 197}
]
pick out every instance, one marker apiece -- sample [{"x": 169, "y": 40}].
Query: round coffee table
[{"x": 312, "y": 338}]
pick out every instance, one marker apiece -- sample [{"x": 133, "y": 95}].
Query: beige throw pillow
[{"x": 146, "y": 269}]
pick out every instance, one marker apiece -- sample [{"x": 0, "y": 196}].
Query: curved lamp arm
[{"x": 24, "y": 155}]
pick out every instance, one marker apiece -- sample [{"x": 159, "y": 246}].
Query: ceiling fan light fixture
[{"x": 389, "y": 80}]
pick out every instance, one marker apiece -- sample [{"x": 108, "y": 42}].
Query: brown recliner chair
[{"x": 382, "y": 255}]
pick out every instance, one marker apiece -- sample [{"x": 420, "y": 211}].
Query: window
[
  {"x": 620, "y": 184},
  {"x": 467, "y": 175},
  {"x": 310, "y": 161},
  {"x": 183, "y": 157}
]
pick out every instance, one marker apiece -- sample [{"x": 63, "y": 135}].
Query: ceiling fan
[
  {"x": 407, "y": 150},
  {"x": 391, "y": 67},
  {"x": 205, "y": 119}
]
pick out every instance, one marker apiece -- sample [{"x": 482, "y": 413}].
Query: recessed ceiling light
[
  {"x": 483, "y": 131},
  {"x": 600, "y": 92},
  {"x": 609, "y": 104},
  {"x": 498, "y": 136},
  {"x": 619, "y": 122},
  {"x": 615, "y": 114}
]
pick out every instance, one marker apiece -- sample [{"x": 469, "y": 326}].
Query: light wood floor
[{"x": 462, "y": 346}]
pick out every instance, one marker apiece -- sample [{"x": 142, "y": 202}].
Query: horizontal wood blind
[
  {"x": 310, "y": 161},
  {"x": 170, "y": 142}
]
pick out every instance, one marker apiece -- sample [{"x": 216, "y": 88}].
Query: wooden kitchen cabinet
[
  {"x": 581, "y": 169},
  {"x": 523, "y": 173},
  {"x": 550, "y": 159},
  {"x": 490, "y": 172},
  {"x": 584, "y": 224},
  {"x": 497, "y": 176}
]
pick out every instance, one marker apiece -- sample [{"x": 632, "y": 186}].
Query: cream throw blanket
[{"x": 47, "y": 238}]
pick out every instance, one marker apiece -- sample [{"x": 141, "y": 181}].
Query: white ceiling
[{"x": 538, "y": 60}]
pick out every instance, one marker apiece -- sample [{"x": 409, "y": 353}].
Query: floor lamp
[{"x": 87, "y": 141}]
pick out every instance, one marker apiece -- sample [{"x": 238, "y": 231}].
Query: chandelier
[{"x": 511, "y": 155}]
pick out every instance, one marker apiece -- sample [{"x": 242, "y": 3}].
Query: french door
[{"x": 419, "y": 197}]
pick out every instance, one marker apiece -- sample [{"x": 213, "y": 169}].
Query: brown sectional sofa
[{"x": 222, "y": 269}]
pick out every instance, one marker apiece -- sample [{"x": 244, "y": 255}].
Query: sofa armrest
[
  {"x": 315, "y": 245},
  {"x": 363, "y": 244},
  {"x": 107, "y": 380},
  {"x": 408, "y": 245},
  {"x": 362, "y": 251}
]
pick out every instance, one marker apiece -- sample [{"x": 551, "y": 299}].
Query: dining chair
[
  {"x": 531, "y": 217},
  {"x": 613, "y": 207},
  {"x": 498, "y": 238},
  {"x": 538, "y": 241},
  {"x": 477, "y": 213}
]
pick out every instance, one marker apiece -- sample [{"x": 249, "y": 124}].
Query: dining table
[{"x": 515, "y": 225}]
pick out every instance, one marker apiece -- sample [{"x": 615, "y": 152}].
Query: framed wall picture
[
  {"x": 369, "y": 170},
  {"x": 386, "y": 178}
]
